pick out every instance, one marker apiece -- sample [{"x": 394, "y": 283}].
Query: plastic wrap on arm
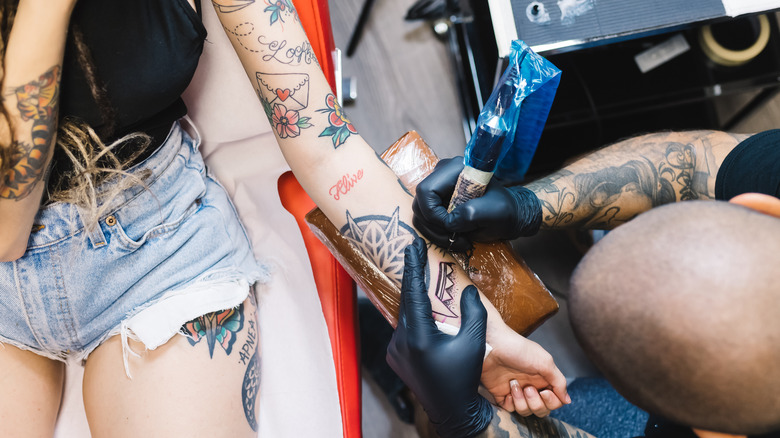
[{"x": 516, "y": 292}]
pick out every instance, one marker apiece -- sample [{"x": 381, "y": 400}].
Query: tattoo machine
[{"x": 509, "y": 125}]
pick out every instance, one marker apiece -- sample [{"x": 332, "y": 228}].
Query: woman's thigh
[
  {"x": 203, "y": 385},
  {"x": 30, "y": 392}
]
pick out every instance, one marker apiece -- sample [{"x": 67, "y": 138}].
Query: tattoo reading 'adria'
[
  {"x": 345, "y": 184},
  {"x": 37, "y": 102}
]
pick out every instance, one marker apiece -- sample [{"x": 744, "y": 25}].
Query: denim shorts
[{"x": 165, "y": 252}]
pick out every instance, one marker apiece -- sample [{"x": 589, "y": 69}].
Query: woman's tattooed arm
[{"x": 613, "y": 185}]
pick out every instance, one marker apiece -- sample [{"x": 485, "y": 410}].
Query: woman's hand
[{"x": 522, "y": 376}]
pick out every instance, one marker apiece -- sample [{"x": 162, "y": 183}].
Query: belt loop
[
  {"x": 189, "y": 126},
  {"x": 96, "y": 236}
]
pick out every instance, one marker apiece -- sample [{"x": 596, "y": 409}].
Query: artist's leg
[
  {"x": 205, "y": 387},
  {"x": 30, "y": 392}
]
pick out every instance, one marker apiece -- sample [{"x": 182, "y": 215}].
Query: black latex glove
[
  {"x": 443, "y": 371},
  {"x": 502, "y": 213}
]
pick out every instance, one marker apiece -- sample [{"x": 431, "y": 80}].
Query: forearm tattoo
[
  {"x": 37, "y": 101},
  {"x": 613, "y": 185},
  {"x": 509, "y": 425}
]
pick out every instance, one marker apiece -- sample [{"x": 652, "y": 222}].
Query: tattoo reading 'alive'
[
  {"x": 382, "y": 239},
  {"x": 216, "y": 328},
  {"x": 345, "y": 184},
  {"x": 228, "y": 6},
  {"x": 37, "y": 102},
  {"x": 280, "y": 9},
  {"x": 340, "y": 127},
  {"x": 278, "y": 51}
]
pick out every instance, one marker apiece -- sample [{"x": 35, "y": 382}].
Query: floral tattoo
[
  {"x": 288, "y": 123},
  {"x": 340, "y": 126}
]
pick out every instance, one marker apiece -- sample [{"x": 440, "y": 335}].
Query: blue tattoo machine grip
[{"x": 510, "y": 124}]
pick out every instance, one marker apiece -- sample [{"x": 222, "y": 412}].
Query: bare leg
[
  {"x": 180, "y": 389},
  {"x": 30, "y": 395}
]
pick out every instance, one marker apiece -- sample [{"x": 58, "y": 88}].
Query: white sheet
[{"x": 298, "y": 392}]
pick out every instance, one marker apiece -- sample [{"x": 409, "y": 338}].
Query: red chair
[{"x": 334, "y": 286}]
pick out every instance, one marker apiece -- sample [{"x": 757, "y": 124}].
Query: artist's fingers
[
  {"x": 520, "y": 405},
  {"x": 414, "y": 294},
  {"x": 473, "y": 324}
]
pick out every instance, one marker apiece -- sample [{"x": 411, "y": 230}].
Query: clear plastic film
[
  {"x": 511, "y": 121},
  {"x": 516, "y": 292}
]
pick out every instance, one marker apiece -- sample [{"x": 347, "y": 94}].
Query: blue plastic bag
[{"x": 512, "y": 120}]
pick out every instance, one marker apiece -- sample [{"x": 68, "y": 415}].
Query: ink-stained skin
[
  {"x": 340, "y": 127},
  {"x": 611, "y": 186},
  {"x": 36, "y": 102}
]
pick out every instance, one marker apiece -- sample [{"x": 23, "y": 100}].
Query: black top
[
  {"x": 753, "y": 166},
  {"x": 145, "y": 53}
]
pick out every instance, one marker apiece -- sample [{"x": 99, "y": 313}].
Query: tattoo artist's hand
[
  {"x": 500, "y": 214},
  {"x": 442, "y": 370},
  {"x": 522, "y": 376}
]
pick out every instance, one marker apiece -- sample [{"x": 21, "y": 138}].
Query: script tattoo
[
  {"x": 228, "y": 6},
  {"x": 216, "y": 328},
  {"x": 345, "y": 184},
  {"x": 278, "y": 51},
  {"x": 382, "y": 239},
  {"x": 678, "y": 167},
  {"x": 37, "y": 101}
]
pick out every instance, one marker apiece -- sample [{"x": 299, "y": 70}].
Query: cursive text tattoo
[
  {"x": 279, "y": 51},
  {"x": 345, "y": 184}
]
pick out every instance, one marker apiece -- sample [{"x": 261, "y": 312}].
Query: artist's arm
[
  {"x": 601, "y": 190},
  {"x": 342, "y": 173},
  {"x": 30, "y": 94}
]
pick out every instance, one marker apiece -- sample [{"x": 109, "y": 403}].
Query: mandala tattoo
[
  {"x": 382, "y": 239},
  {"x": 216, "y": 328}
]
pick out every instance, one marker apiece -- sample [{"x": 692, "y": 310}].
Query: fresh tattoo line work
[
  {"x": 216, "y": 328},
  {"x": 446, "y": 291},
  {"x": 345, "y": 184},
  {"x": 37, "y": 101},
  {"x": 340, "y": 126}
]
